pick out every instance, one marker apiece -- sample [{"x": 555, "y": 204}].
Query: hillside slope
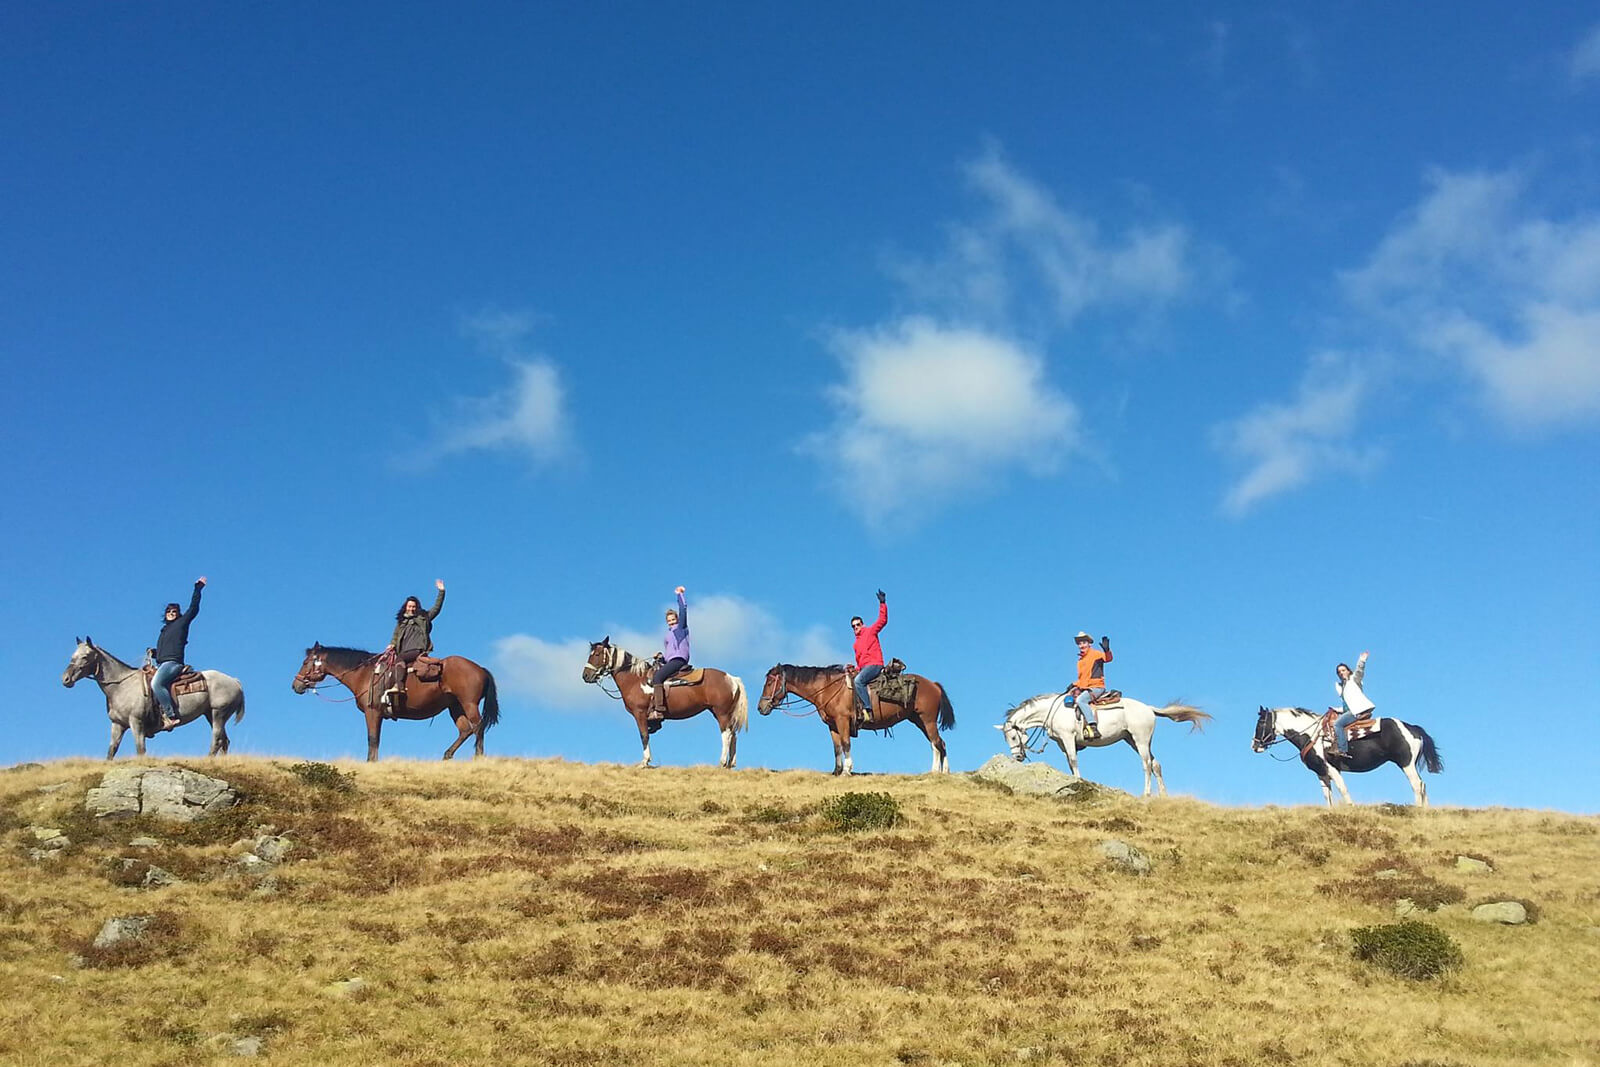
[{"x": 508, "y": 911}]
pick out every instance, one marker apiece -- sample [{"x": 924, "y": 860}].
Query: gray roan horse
[
  {"x": 1127, "y": 720},
  {"x": 131, "y": 707}
]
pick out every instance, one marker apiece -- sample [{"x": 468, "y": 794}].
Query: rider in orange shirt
[{"x": 1091, "y": 680}]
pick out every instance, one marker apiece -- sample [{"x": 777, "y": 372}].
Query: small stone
[
  {"x": 44, "y": 833},
  {"x": 156, "y": 878},
  {"x": 1404, "y": 907},
  {"x": 58, "y": 787},
  {"x": 116, "y": 931},
  {"x": 77, "y": 962},
  {"x": 1506, "y": 912},
  {"x": 1387, "y": 873},
  {"x": 267, "y": 887},
  {"x": 144, "y": 842},
  {"x": 1125, "y": 857},
  {"x": 1469, "y": 865},
  {"x": 273, "y": 849},
  {"x": 348, "y": 988},
  {"x": 46, "y": 854},
  {"x": 247, "y": 1046}
]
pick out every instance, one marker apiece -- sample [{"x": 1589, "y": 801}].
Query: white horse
[
  {"x": 131, "y": 707},
  {"x": 1127, "y": 720},
  {"x": 1386, "y": 740}
]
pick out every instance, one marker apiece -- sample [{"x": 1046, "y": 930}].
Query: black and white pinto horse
[
  {"x": 1127, "y": 720},
  {"x": 1388, "y": 741}
]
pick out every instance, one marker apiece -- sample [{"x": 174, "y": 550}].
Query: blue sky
[{"x": 1251, "y": 336}]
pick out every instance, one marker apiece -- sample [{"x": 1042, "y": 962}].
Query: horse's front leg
[
  {"x": 117, "y": 730},
  {"x": 841, "y": 742},
  {"x": 374, "y": 731},
  {"x": 644, "y": 737},
  {"x": 137, "y": 726}
]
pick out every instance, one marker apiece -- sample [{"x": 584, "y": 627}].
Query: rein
[{"x": 790, "y": 698}]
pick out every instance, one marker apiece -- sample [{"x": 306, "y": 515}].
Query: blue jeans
[
  {"x": 864, "y": 676},
  {"x": 1340, "y": 738},
  {"x": 165, "y": 673},
  {"x": 1082, "y": 701}
]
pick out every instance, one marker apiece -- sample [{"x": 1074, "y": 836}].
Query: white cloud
[
  {"x": 928, "y": 409},
  {"x": 1585, "y": 62},
  {"x": 1507, "y": 298},
  {"x": 725, "y": 631},
  {"x": 528, "y": 416},
  {"x": 1026, "y": 249},
  {"x": 1285, "y": 446}
]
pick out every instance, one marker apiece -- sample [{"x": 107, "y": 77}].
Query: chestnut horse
[
  {"x": 458, "y": 690},
  {"x": 718, "y": 692},
  {"x": 828, "y": 690}
]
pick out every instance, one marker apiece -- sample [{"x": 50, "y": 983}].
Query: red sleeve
[
  {"x": 1107, "y": 652},
  {"x": 883, "y": 619}
]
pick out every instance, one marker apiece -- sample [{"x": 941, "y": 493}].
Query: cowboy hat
[{"x": 1083, "y": 637}]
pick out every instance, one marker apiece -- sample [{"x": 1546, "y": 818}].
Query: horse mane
[
  {"x": 1022, "y": 704},
  {"x": 810, "y": 674},
  {"x": 341, "y": 658}
]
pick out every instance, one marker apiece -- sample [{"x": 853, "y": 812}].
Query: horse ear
[
  {"x": 1000, "y": 726},
  {"x": 606, "y": 640},
  {"x": 88, "y": 640}
]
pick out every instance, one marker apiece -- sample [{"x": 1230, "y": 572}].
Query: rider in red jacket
[{"x": 869, "y": 654}]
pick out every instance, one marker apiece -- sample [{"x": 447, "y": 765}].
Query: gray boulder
[
  {"x": 116, "y": 931},
  {"x": 1124, "y": 857},
  {"x": 1035, "y": 779},
  {"x": 1469, "y": 865},
  {"x": 1506, "y": 912},
  {"x": 273, "y": 849},
  {"x": 171, "y": 793}
]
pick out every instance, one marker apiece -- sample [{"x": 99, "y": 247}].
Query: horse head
[
  {"x": 313, "y": 669},
  {"x": 774, "y": 689},
  {"x": 1016, "y": 738},
  {"x": 84, "y": 662},
  {"x": 601, "y": 661},
  {"x": 1266, "y": 729}
]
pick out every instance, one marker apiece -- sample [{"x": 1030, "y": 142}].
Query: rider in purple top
[{"x": 675, "y": 650}]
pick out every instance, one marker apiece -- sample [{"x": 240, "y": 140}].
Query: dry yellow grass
[{"x": 507, "y": 911}]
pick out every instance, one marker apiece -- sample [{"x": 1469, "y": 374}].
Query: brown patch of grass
[
  {"x": 1407, "y": 883},
  {"x": 618, "y": 894},
  {"x": 1356, "y": 831}
]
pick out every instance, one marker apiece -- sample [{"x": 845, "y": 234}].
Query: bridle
[
  {"x": 314, "y": 685},
  {"x": 790, "y": 698},
  {"x": 97, "y": 657},
  {"x": 1270, "y": 718},
  {"x": 614, "y": 662}
]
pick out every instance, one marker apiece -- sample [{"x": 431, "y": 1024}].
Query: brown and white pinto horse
[
  {"x": 828, "y": 690},
  {"x": 718, "y": 692},
  {"x": 458, "y": 690}
]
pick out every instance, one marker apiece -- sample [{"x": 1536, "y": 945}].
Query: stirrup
[{"x": 1091, "y": 732}]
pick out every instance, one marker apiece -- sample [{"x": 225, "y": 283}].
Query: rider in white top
[{"x": 1355, "y": 700}]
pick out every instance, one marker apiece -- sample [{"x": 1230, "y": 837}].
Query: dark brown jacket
[{"x": 417, "y": 631}]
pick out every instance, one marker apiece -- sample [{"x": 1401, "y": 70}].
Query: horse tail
[
  {"x": 1178, "y": 712},
  {"x": 740, "y": 719},
  {"x": 1430, "y": 752},
  {"x": 947, "y": 714},
  {"x": 491, "y": 702},
  {"x": 238, "y": 716}
]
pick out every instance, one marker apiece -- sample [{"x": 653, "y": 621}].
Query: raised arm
[
  {"x": 194, "y": 601},
  {"x": 438, "y": 602},
  {"x": 883, "y": 615},
  {"x": 683, "y": 609},
  {"x": 1361, "y": 668}
]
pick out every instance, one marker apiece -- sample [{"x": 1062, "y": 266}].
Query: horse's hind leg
[
  {"x": 219, "y": 733},
  {"x": 730, "y": 744},
  {"x": 117, "y": 730},
  {"x": 463, "y": 730},
  {"x": 1419, "y": 788}
]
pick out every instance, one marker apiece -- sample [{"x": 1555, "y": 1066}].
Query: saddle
[
  {"x": 188, "y": 681},
  {"x": 689, "y": 675},
  {"x": 1110, "y": 696},
  {"x": 892, "y": 686},
  {"x": 1363, "y": 725}
]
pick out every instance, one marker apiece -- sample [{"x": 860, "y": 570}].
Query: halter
[
  {"x": 789, "y": 698},
  {"x": 616, "y": 659},
  {"x": 1277, "y": 736},
  {"x": 319, "y": 664},
  {"x": 97, "y": 657}
]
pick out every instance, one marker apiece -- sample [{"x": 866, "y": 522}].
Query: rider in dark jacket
[
  {"x": 413, "y": 637},
  {"x": 170, "y": 647}
]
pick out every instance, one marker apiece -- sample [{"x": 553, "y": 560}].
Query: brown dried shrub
[{"x": 615, "y": 894}]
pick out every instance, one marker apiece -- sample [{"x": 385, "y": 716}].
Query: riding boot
[
  {"x": 658, "y": 703},
  {"x": 1091, "y": 732}
]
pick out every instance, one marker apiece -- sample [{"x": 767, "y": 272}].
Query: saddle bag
[
  {"x": 428, "y": 669},
  {"x": 895, "y": 686}
]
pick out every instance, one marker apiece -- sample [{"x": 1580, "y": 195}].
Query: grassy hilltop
[{"x": 509, "y": 911}]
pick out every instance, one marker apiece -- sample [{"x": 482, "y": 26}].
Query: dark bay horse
[
  {"x": 828, "y": 690},
  {"x": 458, "y": 691},
  {"x": 718, "y": 692},
  {"x": 1389, "y": 741}
]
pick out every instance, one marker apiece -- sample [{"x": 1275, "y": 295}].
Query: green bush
[
  {"x": 1409, "y": 949},
  {"x": 862, "y": 811},
  {"x": 324, "y": 776}
]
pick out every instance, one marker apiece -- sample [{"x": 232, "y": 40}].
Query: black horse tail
[
  {"x": 491, "y": 701},
  {"x": 1430, "y": 753},
  {"x": 947, "y": 714}
]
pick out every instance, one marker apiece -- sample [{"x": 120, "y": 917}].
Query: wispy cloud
[
  {"x": 1507, "y": 297},
  {"x": 928, "y": 409},
  {"x": 1284, "y": 446},
  {"x": 1584, "y": 63},
  {"x": 527, "y": 417},
  {"x": 726, "y": 631},
  {"x": 956, "y": 395}
]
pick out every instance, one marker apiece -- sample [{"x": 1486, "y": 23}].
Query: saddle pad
[
  {"x": 1110, "y": 696},
  {"x": 692, "y": 676},
  {"x": 189, "y": 683}
]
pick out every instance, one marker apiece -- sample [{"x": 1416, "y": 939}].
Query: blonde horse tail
[
  {"x": 238, "y": 716},
  {"x": 741, "y": 705},
  {"x": 1184, "y": 713}
]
